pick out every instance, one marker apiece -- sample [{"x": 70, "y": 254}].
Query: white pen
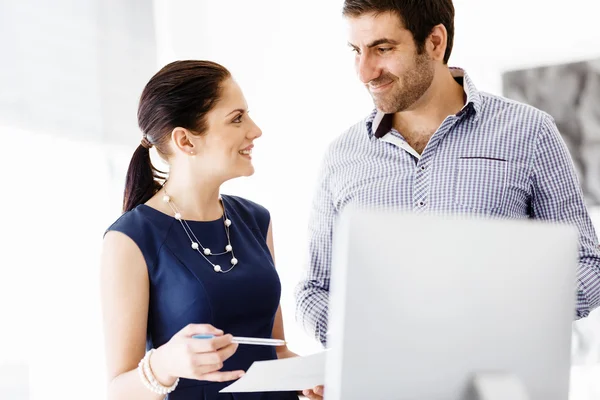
[{"x": 248, "y": 340}]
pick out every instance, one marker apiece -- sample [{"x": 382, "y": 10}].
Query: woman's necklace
[{"x": 205, "y": 252}]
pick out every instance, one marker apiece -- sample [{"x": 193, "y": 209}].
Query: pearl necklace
[{"x": 205, "y": 252}]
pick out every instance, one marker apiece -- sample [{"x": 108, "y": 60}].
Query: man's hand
[{"x": 315, "y": 393}]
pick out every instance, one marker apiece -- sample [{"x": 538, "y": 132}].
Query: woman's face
[{"x": 225, "y": 150}]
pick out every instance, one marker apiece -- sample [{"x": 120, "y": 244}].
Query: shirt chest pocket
[{"x": 480, "y": 183}]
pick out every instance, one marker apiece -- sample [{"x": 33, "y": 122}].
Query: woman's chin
[
  {"x": 246, "y": 171},
  {"x": 250, "y": 171}
]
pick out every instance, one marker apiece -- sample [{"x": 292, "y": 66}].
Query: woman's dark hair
[
  {"x": 179, "y": 95},
  {"x": 418, "y": 16}
]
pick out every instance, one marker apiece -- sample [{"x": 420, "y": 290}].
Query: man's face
[{"x": 388, "y": 62}]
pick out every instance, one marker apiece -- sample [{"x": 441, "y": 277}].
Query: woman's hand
[
  {"x": 201, "y": 359},
  {"x": 315, "y": 393}
]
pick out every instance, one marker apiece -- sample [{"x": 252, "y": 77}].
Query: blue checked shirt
[{"x": 496, "y": 158}]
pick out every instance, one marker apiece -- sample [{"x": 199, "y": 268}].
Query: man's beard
[{"x": 406, "y": 89}]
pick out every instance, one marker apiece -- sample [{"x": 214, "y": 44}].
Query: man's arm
[
  {"x": 557, "y": 196},
  {"x": 312, "y": 293}
]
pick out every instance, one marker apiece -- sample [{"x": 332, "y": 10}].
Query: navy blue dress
[{"x": 185, "y": 289}]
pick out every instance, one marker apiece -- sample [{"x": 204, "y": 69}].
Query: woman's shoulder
[
  {"x": 143, "y": 225},
  {"x": 133, "y": 220},
  {"x": 128, "y": 218},
  {"x": 146, "y": 227},
  {"x": 246, "y": 204},
  {"x": 252, "y": 212}
]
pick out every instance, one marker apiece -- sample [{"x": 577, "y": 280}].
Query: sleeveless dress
[{"x": 185, "y": 289}]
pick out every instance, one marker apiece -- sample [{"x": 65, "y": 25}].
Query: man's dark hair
[{"x": 418, "y": 16}]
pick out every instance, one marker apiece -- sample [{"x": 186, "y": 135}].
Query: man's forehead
[{"x": 371, "y": 26}]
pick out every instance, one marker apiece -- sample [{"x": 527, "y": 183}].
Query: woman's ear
[{"x": 181, "y": 139}]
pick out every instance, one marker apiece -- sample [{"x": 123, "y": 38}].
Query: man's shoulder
[
  {"x": 352, "y": 136},
  {"x": 502, "y": 107}
]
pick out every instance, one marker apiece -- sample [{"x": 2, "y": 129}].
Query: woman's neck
[{"x": 195, "y": 199}]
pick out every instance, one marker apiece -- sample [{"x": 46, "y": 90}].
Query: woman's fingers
[
  {"x": 208, "y": 345},
  {"x": 222, "y": 376},
  {"x": 199, "y": 329},
  {"x": 215, "y": 357}
]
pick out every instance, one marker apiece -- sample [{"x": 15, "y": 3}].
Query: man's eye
[{"x": 384, "y": 49}]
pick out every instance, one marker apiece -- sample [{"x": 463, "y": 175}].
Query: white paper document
[{"x": 288, "y": 374}]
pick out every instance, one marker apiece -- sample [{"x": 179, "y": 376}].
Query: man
[{"x": 437, "y": 144}]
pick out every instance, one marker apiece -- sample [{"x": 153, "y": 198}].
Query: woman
[{"x": 182, "y": 259}]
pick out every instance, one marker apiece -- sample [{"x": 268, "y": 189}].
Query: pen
[{"x": 248, "y": 340}]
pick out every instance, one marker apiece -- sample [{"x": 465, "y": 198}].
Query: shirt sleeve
[
  {"x": 557, "y": 196},
  {"x": 312, "y": 293}
]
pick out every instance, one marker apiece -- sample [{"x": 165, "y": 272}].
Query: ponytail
[{"x": 140, "y": 183}]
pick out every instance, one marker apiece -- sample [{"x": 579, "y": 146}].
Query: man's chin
[
  {"x": 385, "y": 108},
  {"x": 382, "y": 105}
]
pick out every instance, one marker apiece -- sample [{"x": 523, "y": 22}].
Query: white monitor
[{"x": 421, "y": 304}]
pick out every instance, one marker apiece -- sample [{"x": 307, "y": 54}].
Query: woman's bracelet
[{"x": 148, "y": 378}]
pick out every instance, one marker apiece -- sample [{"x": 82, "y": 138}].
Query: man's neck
[{"x": 444, "y": 97}]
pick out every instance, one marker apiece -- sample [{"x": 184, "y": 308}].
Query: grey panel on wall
[
  {"x": 570, "y": 93},
  {"x": 75, "y": 68}
]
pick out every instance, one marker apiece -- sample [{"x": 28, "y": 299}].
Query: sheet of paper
[{"x": 288, "y": 374}]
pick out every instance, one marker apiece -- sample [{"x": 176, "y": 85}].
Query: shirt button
[
  {"x": 421, "y": 203},
  {"x": 422, "y": 168}
]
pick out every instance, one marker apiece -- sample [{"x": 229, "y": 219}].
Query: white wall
[
  {"x": 495, "y": 36},
  {"x": 75, "y": 68},
  {"x": 71, "y": 75}
]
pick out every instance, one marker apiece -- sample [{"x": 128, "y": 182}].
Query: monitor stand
[{"x": 497, "y": 386}]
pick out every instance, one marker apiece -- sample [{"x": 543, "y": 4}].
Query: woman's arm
[
  {"x": 125, "y": 290},
  {"x": 125, "y": 293}
]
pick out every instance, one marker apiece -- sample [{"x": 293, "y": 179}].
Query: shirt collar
[{"x": 379, "y": 123}]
